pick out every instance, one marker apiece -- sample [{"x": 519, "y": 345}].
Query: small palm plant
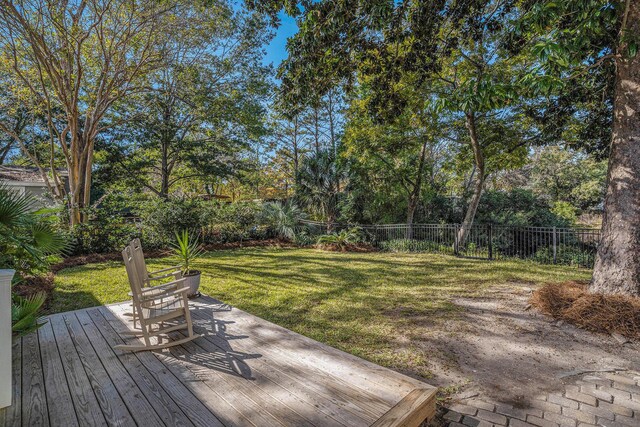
[
  {"x": 188, "y": 250},
  {"x": 341, "y": 240},
  {"x": 283, "y": 218}
]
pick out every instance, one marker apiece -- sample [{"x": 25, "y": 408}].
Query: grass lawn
[{"x": 357, "y": 302}]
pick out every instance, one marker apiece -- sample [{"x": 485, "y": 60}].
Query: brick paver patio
[{"x": 609, "y": 399}]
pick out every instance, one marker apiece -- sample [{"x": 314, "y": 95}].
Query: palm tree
[
  {"x": 26, "y": 237},
  {"x": 318, "y": 185},
  {"x": 283, "y": 218}
]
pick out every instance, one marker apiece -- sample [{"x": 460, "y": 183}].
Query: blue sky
[{"x": 277, "y": 49}]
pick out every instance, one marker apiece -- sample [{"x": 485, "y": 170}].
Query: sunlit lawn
[{"x": 359, "y": 303}]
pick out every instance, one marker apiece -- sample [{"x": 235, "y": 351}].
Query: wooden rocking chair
[
  {"x": 154, "y": 307},
  {"x": 148, "y": 277}
]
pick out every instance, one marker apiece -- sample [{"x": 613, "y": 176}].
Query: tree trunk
[
  {"x": 478, "y": 185},
  {"x": 164, "y": 171},
  {"x": 296, "y": 154},
  {"x": 414, "y": 196},
  {"x": 617, "y": 267}
]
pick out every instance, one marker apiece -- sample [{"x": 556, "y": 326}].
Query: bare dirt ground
[{"x": 504, "y": 350}]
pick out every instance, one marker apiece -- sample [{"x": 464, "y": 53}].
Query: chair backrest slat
[
  {"x": 132, "y": 272},
  {"x": 141, "y": 265}
]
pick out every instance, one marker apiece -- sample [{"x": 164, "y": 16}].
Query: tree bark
[
  {"x": 617, "y": 266},
  {"x": 478, "y": 185}
]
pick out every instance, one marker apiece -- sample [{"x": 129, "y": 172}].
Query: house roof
[{"x": 24, "y": 173}]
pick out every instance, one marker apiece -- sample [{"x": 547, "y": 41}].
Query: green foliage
[
  {"x": 341, "y": 239},
  {"x": 318, "y": 185},
  {"x": 283, "y": 219},
  {"x": 110, "y": 226},
  {"x": 233, "y": 222},
  {"x": 25, "y": 313},
  {"x": 162, "y": 219},
  {"x": 205, "y": 108},
  {"x": 27, "y": 238},
  {"x": 519, "y": 208},
  {"x": 187, "y": 250},
  {"x": 566, "y": 175},
  {"x": 565, "y": 211},
  {"x": 567, "y": 255},
  {"x": 305, "y": 238}
]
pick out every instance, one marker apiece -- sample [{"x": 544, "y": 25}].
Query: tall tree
[
  {"x": 78, "y": 58},
  {"x": 572, "y": 38},
  {"x": 405, "y": 148},
  {"x": 203, "y": 106},
  {"x": 446, "y": 50}
]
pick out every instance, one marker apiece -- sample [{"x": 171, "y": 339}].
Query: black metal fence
[{"x": 548, "y": 245}]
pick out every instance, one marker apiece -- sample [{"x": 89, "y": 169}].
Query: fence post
[
  {"x": 554, "y": 245},
  {"x": 490, "y": 238},
  {"x": 5, "y": 337}
]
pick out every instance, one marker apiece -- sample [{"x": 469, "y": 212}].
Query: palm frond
[
  {"x": 187, "y": 249},
  {"x": 25, "y": 313},
  {"x": 47, "y": 240},
  {"x": 13, "y": 207}
]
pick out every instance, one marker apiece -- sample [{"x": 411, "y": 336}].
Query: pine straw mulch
[
  {"x": 357, "y": 247},
  {"x": 571, "y": 302},
  {"x": 75, "y": 261},
  {"x": 33, "y": 285}
]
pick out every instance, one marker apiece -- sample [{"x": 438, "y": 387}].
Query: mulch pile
[{"x": 572, "y": 303}]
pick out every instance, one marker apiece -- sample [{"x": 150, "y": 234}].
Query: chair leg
[
  {"x": 187, "y": 315},
  {"x": 135, "y": 317}
]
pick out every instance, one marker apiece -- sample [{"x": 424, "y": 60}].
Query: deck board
[
  {"x": 158, "y": 384},
  {"x": 243, "y": 371},
  {"x": 62, "y": 413},
  {"x": 34, "y": 402}
]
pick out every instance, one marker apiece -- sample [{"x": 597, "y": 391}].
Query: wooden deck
[{"x": 245, "y": 371}]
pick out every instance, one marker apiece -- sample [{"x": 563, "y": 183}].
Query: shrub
[
  {"x": 304, "y": 238},
  {"x": 162, "y": 219},
  {"x": 232, "y": 222},
  {"x": 568, "y": 255},
  {"x": 517, "y": 207},
  {"x": 411, "y": 245},
  {"x": 109, "y": 229},
  {"x": 565, "y": 211}
]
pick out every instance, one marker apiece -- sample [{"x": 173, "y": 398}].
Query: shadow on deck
[{"x": 242, "y": 371}]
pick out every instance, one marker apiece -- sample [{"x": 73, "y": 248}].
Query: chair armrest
[
  {"x": 174, "y": 268},
  {"x": 177, "y": 274},
  {"x": 163, "y": 295},
  {"x": 165, "y": 286}
]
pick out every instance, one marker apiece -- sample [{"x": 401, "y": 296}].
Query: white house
[{"x": 27, "y": 180}]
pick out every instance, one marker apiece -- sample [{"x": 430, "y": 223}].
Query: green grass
[{"x": 373, "y": 305}]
